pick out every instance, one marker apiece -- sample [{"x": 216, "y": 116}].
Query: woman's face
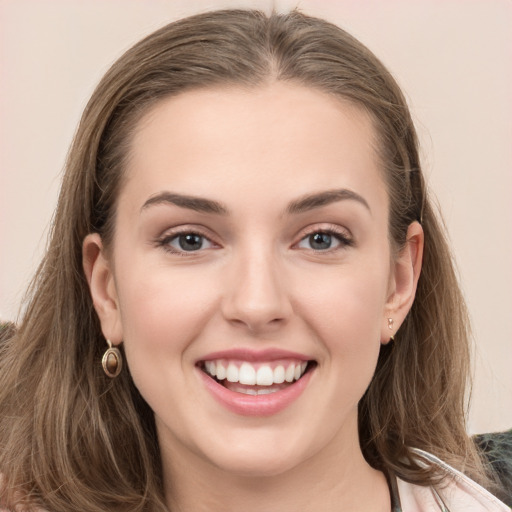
[{"x": 252, "y": 243}]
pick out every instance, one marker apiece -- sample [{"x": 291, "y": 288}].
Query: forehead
[{"x": 280, "y": 135}]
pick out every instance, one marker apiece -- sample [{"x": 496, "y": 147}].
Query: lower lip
[{"x": 256, "y": 405}]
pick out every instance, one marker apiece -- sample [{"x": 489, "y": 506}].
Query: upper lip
[{"x": 251, "y": 355}]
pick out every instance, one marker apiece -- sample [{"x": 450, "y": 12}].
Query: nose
[{"x": 256, "y": 297}]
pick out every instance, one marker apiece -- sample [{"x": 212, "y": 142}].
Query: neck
[{"x": 332, "y": 481}]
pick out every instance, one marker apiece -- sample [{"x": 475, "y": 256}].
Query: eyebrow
[
  {"x": 197, "y": 204},
  {"x": 312, "y": 201},
  {"x": 301, "y": 205}
]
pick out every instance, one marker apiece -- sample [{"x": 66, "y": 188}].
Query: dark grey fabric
[{"x": 496, "y": 449}]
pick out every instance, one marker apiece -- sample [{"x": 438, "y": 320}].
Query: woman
[{"x": 247, "y": 301}]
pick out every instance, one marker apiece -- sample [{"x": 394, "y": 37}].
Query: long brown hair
[{"x": 69, "y": 435}]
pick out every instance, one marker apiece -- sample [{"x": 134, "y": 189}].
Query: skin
[{"x": 256, "y": 283}]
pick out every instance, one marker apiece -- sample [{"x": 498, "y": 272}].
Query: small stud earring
[
  {"x": 390, "y": 326},
  {"x": 112, "y": 361}
]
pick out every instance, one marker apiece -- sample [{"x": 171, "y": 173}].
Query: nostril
[
  {"x": 257, "y": 298},
  {"x": 256, "y": 324}
]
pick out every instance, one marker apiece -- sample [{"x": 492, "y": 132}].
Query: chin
[
  {"x": 259, "y": 458},
  {"x": 262, "y": 467}
]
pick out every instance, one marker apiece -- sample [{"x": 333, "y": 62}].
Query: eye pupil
[
  {"x": 320, "y": 241},
  {"x": 190, "y": 242}
]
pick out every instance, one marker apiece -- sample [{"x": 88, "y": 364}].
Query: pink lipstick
[{"x": 255, "y": 383}]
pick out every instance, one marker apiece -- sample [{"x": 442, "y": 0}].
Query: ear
[
  {"x": 100, "y": 277},
  {"x": 405, "y": 273}
]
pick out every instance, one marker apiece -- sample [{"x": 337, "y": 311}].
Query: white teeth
[
  {"x": 221, "y": 371},
  {"x": 279, "y": 374},
  {"x": 232, "y": 373},
  {"x": 210, "y": 368},
  {"x": 266, "y": 391},
  {"x": 247, "y": 374},
  {"x": 265, "y": 376},
  {"x": 250, "y": 391}
]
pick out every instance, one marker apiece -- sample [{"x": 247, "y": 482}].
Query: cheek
[
  {"x": 346, "y": 314},
  {"x": 162, "y": 313},
  {"x": 348, "y": 306}
]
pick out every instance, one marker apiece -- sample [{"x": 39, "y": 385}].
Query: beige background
[{"x": 452, "y": 57}]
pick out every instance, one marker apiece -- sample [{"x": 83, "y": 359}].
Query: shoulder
[{"x": 458, "y": 493}]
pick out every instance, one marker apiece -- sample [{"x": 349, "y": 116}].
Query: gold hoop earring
[
  {"x": 112, "y": 361},
  {"x": 390, "y": 326}
]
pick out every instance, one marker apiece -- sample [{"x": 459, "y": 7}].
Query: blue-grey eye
[
  {"x": 189, "y": 242},
  {"x": 320, "y": 241}
]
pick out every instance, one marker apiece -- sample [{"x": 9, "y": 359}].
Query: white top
[{"x": 458, "y": 493}]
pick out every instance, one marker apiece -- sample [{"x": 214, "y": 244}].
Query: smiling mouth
[{"x": 256, "y": 378}]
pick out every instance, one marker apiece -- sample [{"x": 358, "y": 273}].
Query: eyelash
[
  {"x": 340, "y": 235},
  {"x": 333, "y": 231},
  {"x": 164, "y": 241}
]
